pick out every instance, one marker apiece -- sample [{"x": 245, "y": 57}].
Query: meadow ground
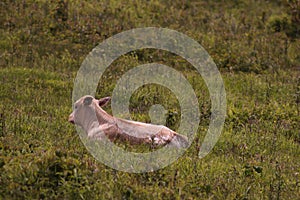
[{"x": 255, "y": 46}]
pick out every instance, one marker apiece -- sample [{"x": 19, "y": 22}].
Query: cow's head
[{"x": 84, "y": 109}]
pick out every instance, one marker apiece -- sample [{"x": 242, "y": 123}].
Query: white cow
[{"x": 98, "y": 124}]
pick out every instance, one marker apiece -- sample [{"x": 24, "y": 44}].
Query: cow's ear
[
  {"x": 87, "y": 101},
  {"x": 104, "y": 101}
]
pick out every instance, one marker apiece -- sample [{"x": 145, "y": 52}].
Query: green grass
[{"x": 253, "y": 44}]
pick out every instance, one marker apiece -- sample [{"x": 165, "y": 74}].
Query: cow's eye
[{"x": 76, "y": 107}]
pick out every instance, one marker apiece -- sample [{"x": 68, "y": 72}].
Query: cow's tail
[{"x": 179, "y": 141}]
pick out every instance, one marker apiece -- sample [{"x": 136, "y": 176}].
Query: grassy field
[{"x": 255, "y": 45}]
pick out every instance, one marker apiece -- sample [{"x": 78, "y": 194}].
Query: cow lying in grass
[{"x": 98, "y": 124}]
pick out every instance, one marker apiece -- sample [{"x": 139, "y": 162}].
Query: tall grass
[{"x": 255, "y": 45}]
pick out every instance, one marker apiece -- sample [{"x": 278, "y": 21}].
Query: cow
[{"x": 97, "y": 124}]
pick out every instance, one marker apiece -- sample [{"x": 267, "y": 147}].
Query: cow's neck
[{"x": 103, "y": 117}]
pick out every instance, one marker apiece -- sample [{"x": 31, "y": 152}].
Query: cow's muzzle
[{"x": 71, "y": 118}]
